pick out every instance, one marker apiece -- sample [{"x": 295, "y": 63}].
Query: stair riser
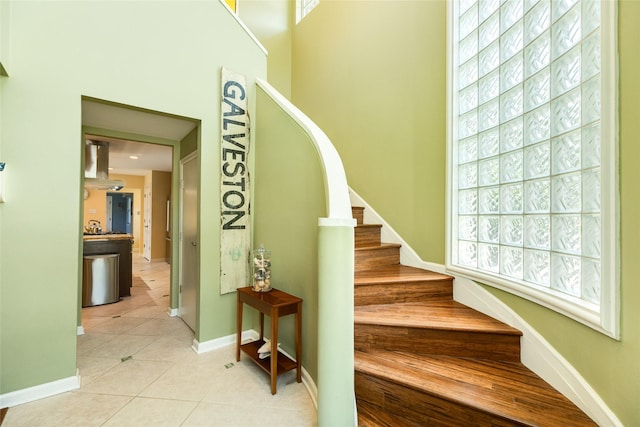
[
  {"x": 358, "y": 214},
  {"x": 389, "y": 293},
  {"x": 491, "y": 346},
  {"x": 367, "y": 236},
  {"x": 418, "y": 407},
  {"x": 366, "y": 259}
]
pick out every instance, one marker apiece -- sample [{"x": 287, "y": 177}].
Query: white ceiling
[{"x": 150, "y": 156}]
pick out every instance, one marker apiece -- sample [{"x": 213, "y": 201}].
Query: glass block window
[
  {"x": 528, "y": 129},
  {"x": 303, "y": 7}
]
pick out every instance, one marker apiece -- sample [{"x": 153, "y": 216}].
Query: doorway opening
[{"x": 119, "y": 213}]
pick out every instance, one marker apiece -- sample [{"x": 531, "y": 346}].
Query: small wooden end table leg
[
  {"x": 274, "y": 349},
  {"x": 299, "y": 342},
  {"x": 239, "y": 327}
]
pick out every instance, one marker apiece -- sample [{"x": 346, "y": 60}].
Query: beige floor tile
[
  {"x": 122, "y": 346},
  {"x": 118, "y": 325},
  {"x": 129, "y": 378},
  {"x": 152, "y": 412},
  {"x": 89, "y": 342},
  {"x": 95, "y": 366},
  {"x": 68, "y": 409},
  {"x": 246, "y": 415},
  {"x": 151, "y": 311},
  {"x": 173, "y": 348},
  {"x": 161, "y": 327},
  {"x": 185, "y": 382}
]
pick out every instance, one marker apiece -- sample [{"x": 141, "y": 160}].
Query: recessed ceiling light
[{"x": 133, "y": 157}]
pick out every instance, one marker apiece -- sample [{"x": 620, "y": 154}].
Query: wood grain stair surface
[{"x": 504, "y": 391}]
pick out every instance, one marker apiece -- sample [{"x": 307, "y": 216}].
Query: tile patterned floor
[{"x": 137, "y": 368}]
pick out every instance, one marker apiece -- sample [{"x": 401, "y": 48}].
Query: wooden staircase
[{"x": 422, "y": 359}]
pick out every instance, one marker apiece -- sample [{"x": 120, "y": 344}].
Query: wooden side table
[{"x": 275, "y": 304}]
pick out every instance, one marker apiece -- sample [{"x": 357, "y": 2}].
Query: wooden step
[
  {"x": 372, "y": 416},
  {"x": 367, "y": 235},
  {"x": 437, "y": 328},
  {"x": 442, "y": 390},
  {"x": 371, "y": 257},
  {"x": 400, "y": 283},
  {"x": 358, "y": 214}
]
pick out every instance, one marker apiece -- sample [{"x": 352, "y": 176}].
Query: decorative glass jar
[{"x": 261, "y": 270}]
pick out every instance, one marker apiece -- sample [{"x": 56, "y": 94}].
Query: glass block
[
  {"x": 467, "y": 175},
  {"x": 566, "y": 274},
  {"x": 537, "y": 231},
  {"x": 488, "y": 143},
  {"x": 467, "y": 202},
  {"x": 566, "y": 32},
  {"x": 468, "y": 124},
  {"x": 489, "y": 31},
  {"x": 565, "y": 233},
  {"x": 468, "y": 47},
  {"x": 537, "y": 125},
  {"x": 468, "y": 98},
  {"x": 537, "y": 267},
  {"x": 512, "y": 41},
  {"x": 511, "y": 230},
  {"x": 590, "y": 16},
  {"x": 537, "y": 196},
  {"x": 489, "y": 200},
  {"x": 468, "y": 149},
  {"x": 489, "y": 172},
  {"x": 591, "y": 100},
  {"x": 511, "y": 135},
  {"x": 511, "y": 104},
  {"x": 537, "y": 55},
  {"x": 511, "y": 261},
  {"x": 560, "y": 7},
  {"x": 591, "y": 279},
  {"x": 488, "y": 228},
  {"x": 489, "y": 59},
  {"x": 467, "y": 228},
  {"x": 511, "y": 72},
  {"x": 591, "y": 145},
  {"x": 468, "y": 73},
  {"x": 468, "y": 253},
  {"x": 487, "y": 8},
  {"x": 489, "y": 87},
  {"x": 468, "y": 21},
  {"x": 565, "y": 112},
  {"x": 566, "y": 153},
  {"x": 537, "y": 160},
  {"x": 489, "y": 257},
  {"x": 537, "y": 90},
  {"x": 591, "y": 236},
  {"x": 510, "y": 12},
  {"x": 591, "y": 190},
  {"x": 565, "y": 72},
  {"x": 566, "y": 193},
  {"x": 465, "y": 5},
  {"x": 488, "y": 115},
  {"x": 591, "y": 56},
  {"x": 537, "y": 21},
  {"x": 511, "y": 167},
  {"x": 511, "y": 200}
]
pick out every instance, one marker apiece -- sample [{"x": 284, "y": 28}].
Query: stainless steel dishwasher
[{"x": 100, "y": 279}]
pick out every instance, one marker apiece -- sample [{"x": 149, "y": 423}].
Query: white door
[
  {"x": 146, "y": 221},
  {"x": 189, "y": 276}
]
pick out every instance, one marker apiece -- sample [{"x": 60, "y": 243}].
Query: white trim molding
[
  {"x": 536, "y": 353},
  {"x": 40, "y": 391}
]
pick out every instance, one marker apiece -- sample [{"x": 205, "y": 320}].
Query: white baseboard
[
  {"x": 252, "y": 334},
  {"x": 536, "y": 353},
  {"x": 80, "y": 330},
  {"x": 41, "y": 391},
  {"x": 173, "y": 312}
]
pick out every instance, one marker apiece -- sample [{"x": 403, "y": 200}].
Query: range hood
[{"x": 96, "y": 167}]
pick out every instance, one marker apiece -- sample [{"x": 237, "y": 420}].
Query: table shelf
[{"x": 284, "y": 363}]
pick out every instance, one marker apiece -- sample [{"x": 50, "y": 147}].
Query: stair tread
[
  {"x": 441, "y": 315},
  {"x": 505, "y": 389},
  {"x": 397, "y": 273},
  {"x": 378, "y": 246}
]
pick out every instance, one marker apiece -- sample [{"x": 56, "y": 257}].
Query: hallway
[{"x": 137, "y": 368}]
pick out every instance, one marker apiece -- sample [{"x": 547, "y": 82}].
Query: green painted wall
[
  {"x": 289, "y": 199},
  {"x": 162, "y": 56},
  {"x": 372, "y": 74}
]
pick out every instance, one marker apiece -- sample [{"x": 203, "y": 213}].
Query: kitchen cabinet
[{"x": 101, "y": 244}]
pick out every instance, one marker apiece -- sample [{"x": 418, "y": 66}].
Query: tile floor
[{"x": 137, "y": 368}]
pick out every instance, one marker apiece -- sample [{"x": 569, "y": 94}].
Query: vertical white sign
[{"x": 235, "y": 233}]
